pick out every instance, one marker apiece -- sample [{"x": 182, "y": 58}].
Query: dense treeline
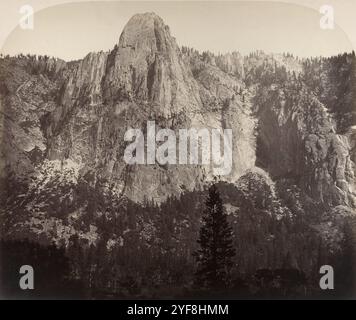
[
  {"x": 113, "y": 247},
  {"x": 146, "y": 250},
  {"x": 331, "y": 79},
  {"x": 334, "y": 81}
]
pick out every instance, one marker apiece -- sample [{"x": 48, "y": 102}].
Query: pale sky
[{"x": 71, "y": 30}]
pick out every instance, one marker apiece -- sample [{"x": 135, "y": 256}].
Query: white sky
[{"x": 71, "y": 30}]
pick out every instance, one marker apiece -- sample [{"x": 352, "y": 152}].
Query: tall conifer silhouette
[{"x": 215, "y": 255}]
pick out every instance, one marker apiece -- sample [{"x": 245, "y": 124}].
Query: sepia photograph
[{"x": 177, "y": 150}]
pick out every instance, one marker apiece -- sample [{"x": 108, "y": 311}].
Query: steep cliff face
[
  {"x": 142, "y": 78},
  {"x": 29, "y": 90},
  {"x": 63, "y": 174},
  {"x": 73, "y": 116},
  {"x": 231, "y": 63},
  {"x": 298, "y": 139},
  {"x": 146, "y": 65},
  {"x": 91, "y": 103}
]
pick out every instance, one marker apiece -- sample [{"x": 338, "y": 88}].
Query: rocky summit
[
  {"x": 63, "y": 126},
  {"x": 145, "y": 77}
]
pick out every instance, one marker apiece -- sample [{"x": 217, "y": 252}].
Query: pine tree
[{"x": 215, "y": 255}]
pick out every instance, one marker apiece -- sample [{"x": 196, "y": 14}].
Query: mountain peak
[
  {"x": 147, "y": 63},
  {"x": 147, "y": 16},
  {"x": 145, "y": 30}
]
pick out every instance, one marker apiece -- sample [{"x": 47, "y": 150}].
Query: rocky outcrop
[
  {"x": 290, "y": 196},
  {"x": 80, "y": 111},
  {"x": 297, "y": 139},
  {"x": 231, "y": 63},
  {"x": 143, "y": 78},
  {"x": 146, "y": 65}
]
